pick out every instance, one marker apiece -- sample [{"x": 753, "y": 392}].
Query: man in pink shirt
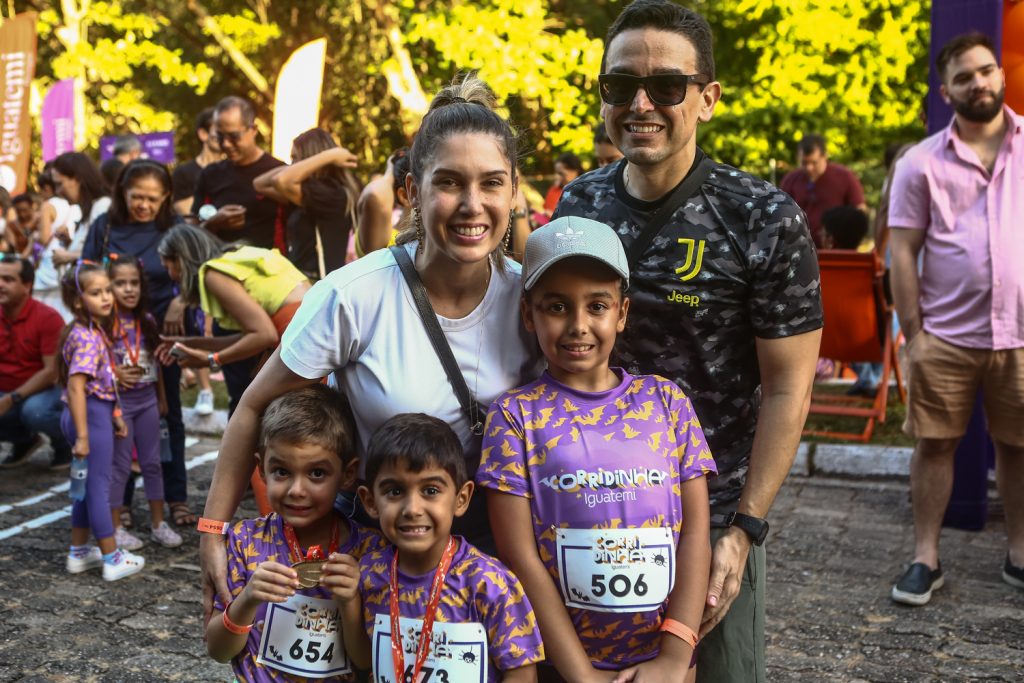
[{"x": 957, "y": 202}]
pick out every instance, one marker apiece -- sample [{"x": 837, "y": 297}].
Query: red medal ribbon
[
  {"x": 133, "y": 358},
  {"x": 314, "y": 552},
  {"x": 109, "y": 348},
  {"x": 423, "y": 649}
]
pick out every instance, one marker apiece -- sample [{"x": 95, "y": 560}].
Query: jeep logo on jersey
[{"x": 691, "y": 266}]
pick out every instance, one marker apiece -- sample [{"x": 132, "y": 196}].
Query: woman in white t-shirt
[{"x": 361, "y": 324}]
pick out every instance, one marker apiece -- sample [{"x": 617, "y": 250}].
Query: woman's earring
[
  {"x": 417, "y": 221},
  {"x": 506, "y": 241}
]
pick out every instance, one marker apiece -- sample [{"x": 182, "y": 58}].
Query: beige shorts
[{"x": 944, "y": 383}]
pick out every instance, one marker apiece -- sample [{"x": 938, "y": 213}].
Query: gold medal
[{"x": 309, "y": 573}]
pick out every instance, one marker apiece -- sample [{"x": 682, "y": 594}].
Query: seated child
[
  {"x": 461, "y": 614},
  {"x": 596, "y": 478},
  {"x": 282, "y": 624}
]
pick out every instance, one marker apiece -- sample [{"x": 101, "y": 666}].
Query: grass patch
[{"x": 888, "y": 433}]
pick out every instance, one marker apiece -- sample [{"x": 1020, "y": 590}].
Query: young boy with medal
[
  {"x": 431, "y": 607},
  {"x": 595, "y": 478},
  {"x": 282, "y": 624}
]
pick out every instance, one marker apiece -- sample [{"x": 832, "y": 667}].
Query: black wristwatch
[
  {"x": 755, "y": 527},
  {"x": 211, "y": 359},
  {"x": 16, "y": 398}
]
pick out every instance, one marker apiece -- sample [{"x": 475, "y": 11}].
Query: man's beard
[{"x": 977, "y": 112}]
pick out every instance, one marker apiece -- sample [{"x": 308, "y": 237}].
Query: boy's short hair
[
  {"x": 419, "y": 441},
  {"x": 846, "y": 225},
  {"x": 315, "y": 414}
]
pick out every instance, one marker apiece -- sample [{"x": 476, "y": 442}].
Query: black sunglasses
[
  {"x": 233, "y": 137},
  {"x": 666, "y": 90}
]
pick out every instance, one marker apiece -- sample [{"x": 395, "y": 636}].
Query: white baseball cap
[{"x": 570, "y": 236}]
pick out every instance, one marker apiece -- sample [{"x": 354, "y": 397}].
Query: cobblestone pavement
[{"x": 835, "y": 549}]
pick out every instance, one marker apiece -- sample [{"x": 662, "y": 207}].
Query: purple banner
[
  {"x": 59, "y": 119},
  {"x": 155, "y": 146}
]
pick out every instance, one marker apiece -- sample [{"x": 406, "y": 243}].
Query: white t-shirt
[
  {"x": 47, "y": 275},
  {"x": 361, "y": 322}
]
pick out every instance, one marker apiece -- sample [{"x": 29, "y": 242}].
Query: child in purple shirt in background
[
  {"x": 462, "y": 616},
  {"x": 282, "y": 624},
  {"x": 91, "y": 419},
  {"x": 596, "y": 478}
]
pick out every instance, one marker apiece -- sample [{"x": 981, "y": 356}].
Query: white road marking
[
  {"x": 190, "y": 441},
  {"x": 51, "y": 517}
]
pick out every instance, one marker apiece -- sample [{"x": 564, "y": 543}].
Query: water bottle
[
  {"x": 79, "y": 473},
  {"x": 165, "y": 441}
]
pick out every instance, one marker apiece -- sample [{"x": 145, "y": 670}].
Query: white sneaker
[
  {"x": 204, "y": 403},
  {"x": 91, "y": 560},
  {"x": 125, "y": 564},
  {"x": 166, "y": 536},
  {"x": 126, "y": 539}
]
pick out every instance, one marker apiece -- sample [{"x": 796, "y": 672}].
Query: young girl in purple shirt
[
  {"x": 92, "y": 418},
  {"x": 143, "y": 402}
]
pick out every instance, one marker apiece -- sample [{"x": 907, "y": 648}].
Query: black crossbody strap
[
  {"x": 473, "y": 411},
  {"x": 685, "y": 189}
]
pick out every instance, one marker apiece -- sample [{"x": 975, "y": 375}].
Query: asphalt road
[{"x": 835, "y": 549}]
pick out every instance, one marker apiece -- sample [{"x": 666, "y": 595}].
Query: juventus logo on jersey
[{"x": 694, "y": 258}]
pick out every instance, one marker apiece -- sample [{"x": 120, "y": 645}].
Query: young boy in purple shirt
[
  {"x": 462, "y": 616},
  {"x": 595, "y": 478},
  {"x": 283, "y": 623}
]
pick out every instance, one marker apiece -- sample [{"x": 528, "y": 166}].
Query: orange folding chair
[{"x": 858, "y": 329}]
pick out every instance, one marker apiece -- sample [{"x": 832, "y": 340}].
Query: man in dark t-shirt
[
  {"x": 241, "y": 213},
  {"x": 821, "y": 184},
  {"x": 725, "y": 300},
  {"x": 186, "y": 175}
]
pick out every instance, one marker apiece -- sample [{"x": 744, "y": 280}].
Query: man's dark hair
[
  {"x": 29, "y": 197},
  {"x": 205, "y": 119},
  {"x": 601, "y": 135},
  {"x": 110, "y": 169},
  {"x": 667, "y": 16},
  {"x": 124, "y": 144},
  {"x": 243, "y": 106},
  {"x": 846, "y": 225},
  {"x": 570, "y": 161},
  {"x": 417, "y": 441},
  {"x": 959, "y": 45},
  {"x": 27, "y": 274},
  {"x": 812, "y": 142}
]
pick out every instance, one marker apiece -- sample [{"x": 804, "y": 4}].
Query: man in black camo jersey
[{"x": 725, "y": 302}]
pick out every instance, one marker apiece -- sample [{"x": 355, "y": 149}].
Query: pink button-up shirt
[{"x": 972, "y": 272}]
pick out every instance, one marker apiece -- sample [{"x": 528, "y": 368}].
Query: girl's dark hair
[
  {"x": 70, "y": 294},
  {"x": 143, "y": 320},
  {"x": 400, "y": 168},
  {"x": 465, "y": 106},
  {"x": 192, "y": 247},
  {"x": 417, "y": 441},
  {"x": 83, "y": 169},
  {"x": 136, "y": 170},
  {"x": 316, "y": 140}
]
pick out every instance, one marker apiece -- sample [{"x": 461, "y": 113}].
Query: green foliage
[
  {"x": 121, "y": 58},
  {"x": 522, "y": 52},
  {"x": 854, "y": 72}
]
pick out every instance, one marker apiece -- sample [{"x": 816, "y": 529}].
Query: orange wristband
[
  {"x": 232, "y": 626},
  {"x": 680, "y": 630},
  {"x": 212, "y": 526}
]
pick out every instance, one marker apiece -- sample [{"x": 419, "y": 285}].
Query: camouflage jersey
[{"x": 734, "y": 262}]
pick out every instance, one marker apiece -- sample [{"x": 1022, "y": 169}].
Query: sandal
[
  {"x": 182, "y": 515},
  {"x": 126, "y": 519}
]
